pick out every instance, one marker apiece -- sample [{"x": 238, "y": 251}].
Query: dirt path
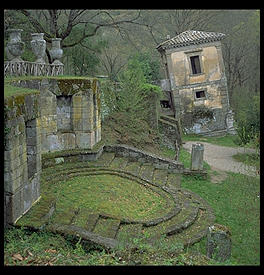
[{"x": 220, "y": 157}]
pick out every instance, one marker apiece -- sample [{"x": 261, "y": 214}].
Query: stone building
[{"x": 195, "y": 88}]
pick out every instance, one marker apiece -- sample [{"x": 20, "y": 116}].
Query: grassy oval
[{"x": 113, "y": 195}]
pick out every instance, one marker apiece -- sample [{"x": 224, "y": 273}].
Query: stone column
[
  {"x": 218, "y": 243},
  {"x": 197, "y": 156}
]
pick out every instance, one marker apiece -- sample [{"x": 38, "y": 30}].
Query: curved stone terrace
[{"x": 112, "y": 195}]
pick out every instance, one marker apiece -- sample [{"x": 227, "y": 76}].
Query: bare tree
[
  {"x": 60, "y": 23},
  {"x": 111, "y": 61}
]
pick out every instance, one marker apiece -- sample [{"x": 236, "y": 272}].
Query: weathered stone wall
[
  {"x": 64, "y": 114},
  {"x": 69, "y": 112},
  {"x": 142, "y": 156},
  {"x": 22, "y": 155}
]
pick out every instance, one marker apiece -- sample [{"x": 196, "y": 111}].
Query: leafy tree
[
  {"x": 130, "y": 97},
  {"x": 129, "y": 117},
  {"x": 148, "y": 65},
  {"x": 247, "y": 116}
]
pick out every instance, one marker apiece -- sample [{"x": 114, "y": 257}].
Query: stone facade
[
  {"x": 69, "y": 112},
  {"x": 61, "y": 114},
  {"x": 195, "y": 72}
]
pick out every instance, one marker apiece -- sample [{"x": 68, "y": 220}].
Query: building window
[
  {"x": 200, "y": 94},
  {"x": 195, "y": 63}
]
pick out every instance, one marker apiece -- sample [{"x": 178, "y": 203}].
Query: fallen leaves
[
  {"x": 51, "y": 251},
  {"x": 30, "y": 259},
  {"x": 17, "y": 257}
]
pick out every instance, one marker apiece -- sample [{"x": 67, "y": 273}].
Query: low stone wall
[
  {"x": 142, "y": 156},
  {"x": 51, "y": 159}
]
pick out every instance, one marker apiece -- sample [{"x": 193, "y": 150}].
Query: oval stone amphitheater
[{"x": 115, "y": 199}]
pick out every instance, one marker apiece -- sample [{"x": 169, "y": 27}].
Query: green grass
[
  {"x": 10, "y": 90},
  {"x": 23, "y": 247},
  {"x": 251, "y": 159},
  {"x": 227, "y": 140},
  {"x": 110, "y": 194},
  {"x": 236, "y": 203}
]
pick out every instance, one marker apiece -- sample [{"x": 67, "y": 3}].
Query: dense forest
[{"x": 103, "y": 43}]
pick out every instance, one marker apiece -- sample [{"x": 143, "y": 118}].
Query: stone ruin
[
  {"x": 59, "y": 122},
  {"x": 61, "y": 114}
]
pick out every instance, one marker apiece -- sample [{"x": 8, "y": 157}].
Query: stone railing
[
  {"x": 31, "y": 68},
  {"x": 16, "y": 66}
]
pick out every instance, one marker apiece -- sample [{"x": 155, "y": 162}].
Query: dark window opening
[
  {"x": 200, "y": 94},
  {"x": 165, "y": 104},
  {"x": 195, "y": 62}
]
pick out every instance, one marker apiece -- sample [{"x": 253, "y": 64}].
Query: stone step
[
  {"x": 64, "y": 216},
  {"x": 195, "y": 232},
  {"x": 180, "y": 226},
  {"x": 119, "y": 163},
  {"x": 146, "y": 171},
  {"x": 169, "y": 118},
  {"x": 174, "y": 180},
  {"x": 91, "y": 221},
  {"x": 133, "y": 167},
  {"x": 177, "y": 223},
  {"x": 107, "y": 227},
  {"x": 104, "y": 160},
  {"x": 160, "y": 176},
  {"x": 127, "y": 232}
]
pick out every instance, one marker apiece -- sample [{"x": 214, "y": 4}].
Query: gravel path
[{"x": 220, "y": 157}]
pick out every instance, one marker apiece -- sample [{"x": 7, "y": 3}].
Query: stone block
[
  {"x": 35, "y": 187},
  {"x": 52, "y": 143},
  {"x": 10, "y": 166},
  {"x": 59, "y": 160},
  {"x": 67, "y": 140},
  {"x": 31, "y": 132},
  {"x": 33, "y": 150},
  {"x": 197, "y": 156},
  {"x": 27, "y": 197},
  {"x": 85, "y": 140},
  {"x": 14, "y": 206},
  {"x": 219, "y": 243}
]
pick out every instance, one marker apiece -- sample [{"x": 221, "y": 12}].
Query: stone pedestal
[
  {"x": 197, "y": 156},
  {"x": 218, "y": 243}
]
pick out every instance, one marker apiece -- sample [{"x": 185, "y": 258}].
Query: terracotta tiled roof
[{"x": 189, "y": 38}]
